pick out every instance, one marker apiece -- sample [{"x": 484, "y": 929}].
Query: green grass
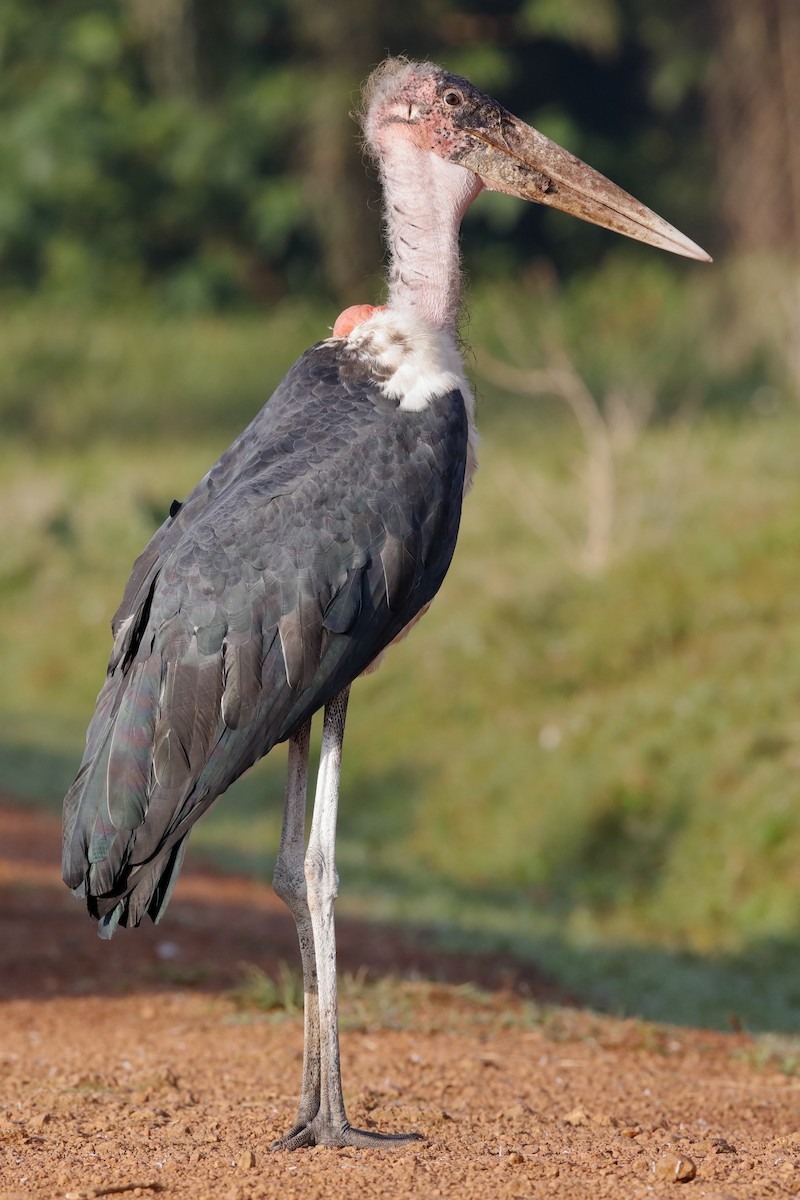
[
  {"x": 66, "y": 373},
  {"x": 599, "y": 772}
]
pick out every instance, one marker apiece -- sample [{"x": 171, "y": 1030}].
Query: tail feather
[
  {"x": 151, "y": 893},
  {"x": 162, "y": 893},
  {"x": 149, "y": 896},
  {"x": 124, "y": 898}
]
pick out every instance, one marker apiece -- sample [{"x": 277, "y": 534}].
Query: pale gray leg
[
  {"x": 329, "y": 1126},
  {"x": 289, "y": 882}
]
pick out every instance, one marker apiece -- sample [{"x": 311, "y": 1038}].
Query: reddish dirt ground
[{"x": 130, "y": 1068}]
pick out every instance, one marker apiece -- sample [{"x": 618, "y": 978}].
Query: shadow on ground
[
  {"x": 220, "y": 924},
  {"x": 217, "y": 926}
]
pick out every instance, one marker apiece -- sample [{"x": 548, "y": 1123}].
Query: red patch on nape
[{"x": 354, "y": 315}]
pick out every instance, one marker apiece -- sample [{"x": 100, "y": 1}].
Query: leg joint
[
  {"x": 289, "y": 883},
  {"x": 322, "y": 880}
]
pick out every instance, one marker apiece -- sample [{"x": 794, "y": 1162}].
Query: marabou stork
[{"x": 316, "y": 541}]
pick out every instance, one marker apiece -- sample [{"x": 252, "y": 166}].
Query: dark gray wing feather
[
  {"x": 130, "y": 758},
  {"x": 242, "y": 680}
]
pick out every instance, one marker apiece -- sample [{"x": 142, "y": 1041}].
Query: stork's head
[{"x": 443, "y": 114}]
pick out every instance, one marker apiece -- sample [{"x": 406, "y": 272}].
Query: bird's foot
[{"x": 321, "y": 1132}]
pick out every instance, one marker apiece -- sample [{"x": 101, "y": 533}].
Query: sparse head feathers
[
  {"x": 383, "y": 86},
  {"x": 396, "y": 95}
]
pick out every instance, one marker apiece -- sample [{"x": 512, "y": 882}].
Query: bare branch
[{"x": 598, "y": 471}]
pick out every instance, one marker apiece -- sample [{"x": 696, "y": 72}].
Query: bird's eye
[{"x": 452, "y": 98}]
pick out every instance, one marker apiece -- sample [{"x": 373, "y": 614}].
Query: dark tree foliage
[
  {"x": 203, "y": 154},
  {"x": 755, "y": 115}
]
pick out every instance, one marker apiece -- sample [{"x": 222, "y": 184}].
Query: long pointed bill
[{"x": 522, "y": 162}]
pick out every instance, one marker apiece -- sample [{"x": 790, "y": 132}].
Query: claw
[
  {"x": 325, "y": 1133},
  {"x": 297, "y": 1137}
]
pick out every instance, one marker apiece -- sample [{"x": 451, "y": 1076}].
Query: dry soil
[{"x": 137, "y": 1067}]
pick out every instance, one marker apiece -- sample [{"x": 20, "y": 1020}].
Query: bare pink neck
[{"x": 425, "y": 199}]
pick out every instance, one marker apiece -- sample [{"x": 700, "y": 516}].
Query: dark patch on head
[
  {"x": 476, "y": 110},
  {"x": 463, "y": 107}
]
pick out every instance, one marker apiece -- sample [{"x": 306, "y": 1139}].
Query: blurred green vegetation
[
  {"x": 589, "y": 751},
  {"x": 599, "y": 768}
]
